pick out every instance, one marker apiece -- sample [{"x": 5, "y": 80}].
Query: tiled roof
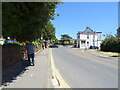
[
  {"x": 88, "y": 31},
  {"x": 118, "y": 29}
]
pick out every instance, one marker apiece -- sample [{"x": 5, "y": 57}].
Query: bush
[
  {"x": 68, "y": 43},
  {"x": 71, "y": 43},
  {"x": 111, "y": 44},
  {"x": 36, "y": 43}
]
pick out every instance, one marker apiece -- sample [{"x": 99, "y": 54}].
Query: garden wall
[
  {"x": 11, "y": 55},
  {"x": 14, "y": 54}
]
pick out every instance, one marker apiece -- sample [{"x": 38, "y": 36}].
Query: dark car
[
  {"x": 75, "y": 45},
  {"x": 94, "y": 47},
  {"x": 53, "y": 46}
]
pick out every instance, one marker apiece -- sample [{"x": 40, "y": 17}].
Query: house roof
[
  {"x": 118, "y": 29},
  {"x": 98, "y": 32},
  {"x": 88, "y": 30}
]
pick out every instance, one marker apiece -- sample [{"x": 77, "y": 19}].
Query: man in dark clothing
[
  {"x": 30, "y": 52},
  {"x": 43, "y": 46}
]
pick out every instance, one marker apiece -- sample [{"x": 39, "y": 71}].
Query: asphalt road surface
[{"x": 83, "y": 70}]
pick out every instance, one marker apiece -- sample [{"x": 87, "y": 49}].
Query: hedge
[{"x": 111, "y": 44}]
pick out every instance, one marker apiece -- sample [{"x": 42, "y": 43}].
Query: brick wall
[
  {"x": 14, "y": 54},
  {"x": 11, "y": 55}
]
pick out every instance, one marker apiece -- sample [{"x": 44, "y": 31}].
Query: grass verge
[{"x": 113, "y": 54}]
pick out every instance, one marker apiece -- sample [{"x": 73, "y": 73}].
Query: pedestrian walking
[
  {"x": 30, "y": 48},
  {"x": 43, "y": 46}
]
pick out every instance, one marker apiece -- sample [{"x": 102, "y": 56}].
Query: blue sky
[{"x": 76, "y": 16}]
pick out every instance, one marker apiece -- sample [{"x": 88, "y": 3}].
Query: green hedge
[
  {"x": 11, "y": 45},
  {"x": 68, "y": 43},
  {"x": 111, "y": 44}
]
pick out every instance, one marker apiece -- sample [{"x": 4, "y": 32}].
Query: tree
[
  {"x": 65, "y": 38},
  {"x": 49, "y": 31},
  {"x": 26, "y": 20}
]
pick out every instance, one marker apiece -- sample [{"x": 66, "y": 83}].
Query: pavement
[
  {"x": 93, "y": 52},
  {"x": 21, "y": 75}
]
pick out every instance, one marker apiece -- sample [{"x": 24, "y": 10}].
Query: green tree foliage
[
  {"x": 27, "y": 20},
  {"x": 65, "y": 38},
  {"x": 56, "y": 41},
  {"x": 49, "y": 31},
  {"x": 111, "y": 44}
]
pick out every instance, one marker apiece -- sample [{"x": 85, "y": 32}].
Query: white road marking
[{"x": 82, "y": 51}]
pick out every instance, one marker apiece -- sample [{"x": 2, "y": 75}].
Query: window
[
  {"x": 99, "y": 36},
  {"x": 93, "y": 36},
  {"x": 83, "y": 43},
  {"x": 78, "y": 37},
  {"x": 87, "y": 43},
  {"x": 87, "y": 36}
]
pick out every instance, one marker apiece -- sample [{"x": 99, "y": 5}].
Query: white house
[{"x": 88, "y": 38}]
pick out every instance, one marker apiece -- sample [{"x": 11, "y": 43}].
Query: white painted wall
[
  {"x": 82, "y": 36},
  {"x": 90, "y": 40}
]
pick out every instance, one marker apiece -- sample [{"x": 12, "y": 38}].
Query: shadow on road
[{"x": 10, "y": 72}]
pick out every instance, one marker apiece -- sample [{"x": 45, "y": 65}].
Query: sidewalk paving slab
[
  {"x": 93, "y": 52},
  {"x": 38, "y": 76}
]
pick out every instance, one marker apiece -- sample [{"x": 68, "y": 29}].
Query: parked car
[
  {"x": 53, "y": 46},
  {"x": 94, "y": 47},
  {"x": 75, "y": 45}
]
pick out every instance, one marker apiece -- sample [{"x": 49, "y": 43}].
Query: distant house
[
  {"x": 118, "y": 31},
  {"x": 66, "y": 39},
  {"x": 88, "y": 38}
]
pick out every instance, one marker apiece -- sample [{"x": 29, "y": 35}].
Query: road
[{"x": 80, "y": 69}]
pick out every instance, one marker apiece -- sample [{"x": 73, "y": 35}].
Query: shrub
[{"x": 111, "y": 44}]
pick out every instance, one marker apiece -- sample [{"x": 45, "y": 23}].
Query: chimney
[{"x": 87, "y": 28}]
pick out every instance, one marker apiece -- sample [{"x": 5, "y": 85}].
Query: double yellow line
[{"x": 57, "y": 80}]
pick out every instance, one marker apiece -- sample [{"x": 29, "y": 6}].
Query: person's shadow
[{"x": 10, "y": 72}]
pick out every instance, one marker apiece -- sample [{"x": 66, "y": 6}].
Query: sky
[
  {"x": 119, "y": 13},
  {"x": 76, "y": 16}
]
